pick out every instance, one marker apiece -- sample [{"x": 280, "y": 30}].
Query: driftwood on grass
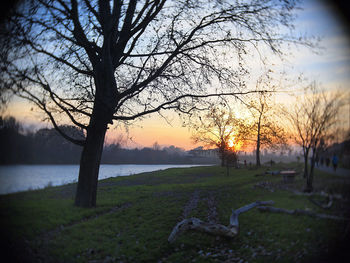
[
  {"x": 324, "y": 194},
  {"x": 329, "y": 200},
  {"x": 212, "y": 228},
  {"x": 300, "y": 212}
]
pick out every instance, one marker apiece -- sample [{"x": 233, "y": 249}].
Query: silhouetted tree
[
  {"x": 50, "y": 147},
  {"x": 45, "y": 146},
  {"x": 266, "y": 128},
  {"x": 222, "y": 129},
  {"x": 156, "y": 146},
  {"x": 102, "y": 61},
  {"x": 313, "y": 118},
  {"x": 10, "y": 139}
]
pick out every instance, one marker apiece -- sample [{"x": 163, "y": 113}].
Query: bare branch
[{"x": 169, "y": 104}]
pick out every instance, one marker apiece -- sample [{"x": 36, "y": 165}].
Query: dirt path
[
  {"x": 191, "y": 204},
  {"x": 212, "y": 212}
]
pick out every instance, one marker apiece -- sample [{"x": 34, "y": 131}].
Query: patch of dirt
[
  {"x": 191, "y": 204},
  {"x": 212, "y": 212}
]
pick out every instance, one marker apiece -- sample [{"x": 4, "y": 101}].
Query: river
[{"x": 16, "y": 178}]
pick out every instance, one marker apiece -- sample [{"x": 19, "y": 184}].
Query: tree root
[{"x": 229, "y": 231}]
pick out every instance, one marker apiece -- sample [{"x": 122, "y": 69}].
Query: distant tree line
[
  {"x": 113, "y": 154},
  {"x": 46, "y": 146}
]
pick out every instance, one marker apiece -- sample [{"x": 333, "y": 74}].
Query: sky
[{"x": 330, "y": 68}]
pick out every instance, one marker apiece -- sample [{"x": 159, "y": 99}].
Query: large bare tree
[
  {"x": 96, "y": 62},
  {"x": 313, "y": 118}
]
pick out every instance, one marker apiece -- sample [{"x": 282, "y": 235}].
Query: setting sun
[
  {"x": 231, "y": 142},
  {"x": 236, "y": 145}
]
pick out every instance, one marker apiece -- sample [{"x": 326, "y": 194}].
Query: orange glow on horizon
[{"x": 148, "y": 131}]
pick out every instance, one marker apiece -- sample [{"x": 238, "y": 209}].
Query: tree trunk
[
  {"x": 310, "y": 177},
  {"x": 90, "y": 162},
  {"x": 222, "y": 154},
  {"x": 306, "y": 156},
  {"x": 103, "y": 109},
  {"x": 258, "y": 164},
  {"x": 222, "y": 161}
]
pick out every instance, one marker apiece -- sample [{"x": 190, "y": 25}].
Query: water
[{"x": 15, "y": 178}]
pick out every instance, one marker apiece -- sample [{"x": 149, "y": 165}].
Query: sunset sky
[{"x": 330, "y": 68}]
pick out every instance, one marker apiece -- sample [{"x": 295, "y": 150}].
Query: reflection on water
[{"x": 14, "y": 178}]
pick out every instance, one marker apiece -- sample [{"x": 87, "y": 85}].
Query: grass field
[{"x": 136, "y": 214}]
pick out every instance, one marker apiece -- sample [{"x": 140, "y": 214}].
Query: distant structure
[
  {"x": 201, "y": 152},
  {"x": 201, "y": 155}
]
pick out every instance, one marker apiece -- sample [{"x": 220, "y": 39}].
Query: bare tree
[
  {"x": 265, "y": 127},
  {"x": 96, "y": 62},
  {"x": 313, "y": 118},
  {"x": 220, "y": 128}
]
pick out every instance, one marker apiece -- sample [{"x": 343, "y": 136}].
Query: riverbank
[
  {"x": 16, "y": 178},
  {"x": 135, "y": 215}
]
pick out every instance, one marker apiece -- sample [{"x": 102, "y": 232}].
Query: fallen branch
[
  {"x": 300, "y": 212},
  {"x": 334, "y": 196},
  {"x": 329, "y": 200},
  {"x": 212, "y": 228}
]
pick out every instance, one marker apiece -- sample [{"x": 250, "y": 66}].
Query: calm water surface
[{"x": 15, "y": 178}]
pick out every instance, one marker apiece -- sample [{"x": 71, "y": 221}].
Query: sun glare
[{"x": 232, "y": 143}]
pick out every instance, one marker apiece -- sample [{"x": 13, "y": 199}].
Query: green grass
[{"x": 136, "y": 214}]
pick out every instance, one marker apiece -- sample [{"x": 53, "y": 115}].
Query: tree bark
[
  {"x": 90, "y": 161},
  {"x": 310, "y": 176},
  {"x": 104, "y": 105},
  {"x": 306, "y": 156},
  {"x": 258, "y": 164},
  {"x": 222, "y": 154}
]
